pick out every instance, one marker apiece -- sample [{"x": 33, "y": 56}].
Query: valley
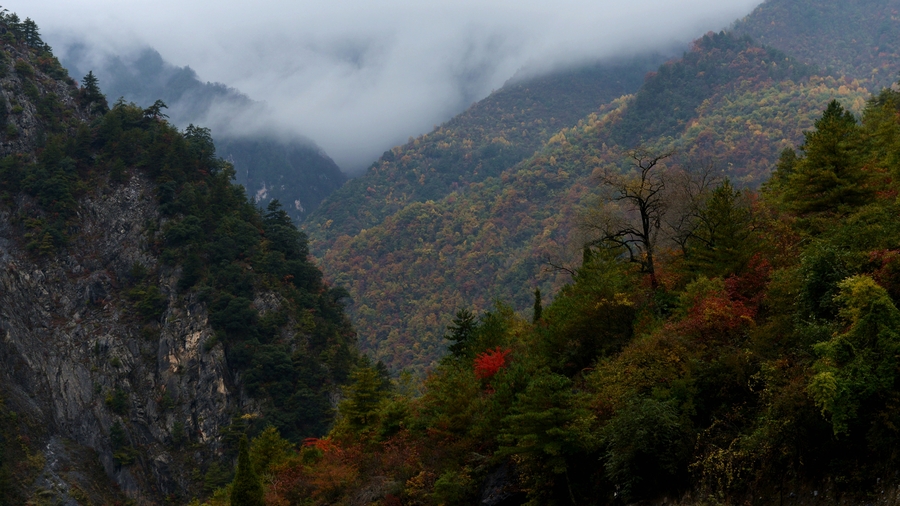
[{"x": 653, "y": 278}]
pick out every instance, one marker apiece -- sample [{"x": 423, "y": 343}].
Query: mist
[{"x": 360, "y": 77}]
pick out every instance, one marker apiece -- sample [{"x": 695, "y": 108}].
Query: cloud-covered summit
[{"x": 358, "y": 77}]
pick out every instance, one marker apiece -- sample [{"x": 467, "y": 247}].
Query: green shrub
[
  {"x": 24, "y": 69},
  {"x": 149, "y": 302},
  {"x": 117, "y": 401}
]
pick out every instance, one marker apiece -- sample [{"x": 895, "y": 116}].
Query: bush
[
  {"x": 149, "y": 302},
  {"x": 117, "y": 401},
  {"x": 24, "y": 69}
]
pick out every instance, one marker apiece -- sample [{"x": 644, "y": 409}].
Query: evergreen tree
[
  {"x": 829, "y": 179},
  {"x": 720, "y": 245},
  {"x": 247, "y": 489},
  {"x": 282, "y": 233},
  {"x": 461, "y": 332},
  {"x": 31, "y": 34},
  {"x": 363, "y": 397},
  {"x": 14, "y": 25},
  {"x": 538, "y": 309},
  {"x": 91, "y": 97}
]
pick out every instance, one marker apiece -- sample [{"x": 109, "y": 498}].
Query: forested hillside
[
  {"x": 488, "y": 138},
  {"x": 270, "y": 165},
  {"x": 755, "y": 363},
  {"x": 859, "y": 39},
  {"x": 728, "y": 105},
  {"x": 151, "y": 312}
]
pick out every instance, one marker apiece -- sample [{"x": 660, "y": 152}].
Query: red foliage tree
[{"x": 489, "y": 362}]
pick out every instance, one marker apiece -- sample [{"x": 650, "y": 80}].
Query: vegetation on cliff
[{"x": 287, "y": 341}]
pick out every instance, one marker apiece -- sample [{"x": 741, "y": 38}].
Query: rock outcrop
[{"x": 75, "y": 359}]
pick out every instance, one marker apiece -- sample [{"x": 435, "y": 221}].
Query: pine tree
[
  {"x": 247, "y": 488},
  {"x": 538, "y": 309},
  {"x": 720, "y": 244},
  {"x": 364, "y": 395},
  {"x": 829, "y": 179},
  {"x": 31, "y": 34},
  {"x": 461, "y": 332},
  {"x": 91, "y": 97}
]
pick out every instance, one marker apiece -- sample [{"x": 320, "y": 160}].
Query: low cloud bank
[{"x": 358, "y": 77}]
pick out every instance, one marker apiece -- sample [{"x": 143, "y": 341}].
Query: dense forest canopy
[
  {"x": 857, "y": 39},
  {"x": 763, "y": 362},
  {"x": 729, "y": 105}
]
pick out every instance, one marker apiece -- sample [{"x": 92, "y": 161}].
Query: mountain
[
  {"x": 460, "y": 156},
  {"x": 409, "y": 263},
  {"x": 856, "y": 39},
  {"x": 726, "y": 103},
  {"x": 489, "y": 137},
  {"x": 723, "y": 253},
  {"x": 151, "y": 313},
  {"x": 756, "y": 364},
  {"x": 271, "y": 165}
]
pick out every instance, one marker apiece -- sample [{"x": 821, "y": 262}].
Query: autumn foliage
[{"x": 488, "y": 363}]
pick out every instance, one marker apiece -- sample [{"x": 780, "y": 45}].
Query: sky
[{"x": 359, "y": 77}]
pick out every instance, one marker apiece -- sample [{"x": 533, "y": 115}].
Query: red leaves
[
  {"x": 489, "y": 362},
  {"x": 716, "y": 313},
  {"x": 324, "y": 445}
]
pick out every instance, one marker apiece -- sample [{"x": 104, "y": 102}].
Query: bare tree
[
  {"x": 648, "y": 206},
  {"x": 688, "y": 194},
  {"x": 633, "y": 208}
]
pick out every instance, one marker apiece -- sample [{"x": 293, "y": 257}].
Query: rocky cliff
[
  {"x": 149, "y": 312},
  {"x": 70, "y": 346}
]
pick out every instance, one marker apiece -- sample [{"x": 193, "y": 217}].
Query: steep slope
[
  {"x": 762, "y": 369},
  {"x": 294, "y": 172},
  {"x": 859, "y": 39},
  {"x": 491, "y": 136},
  {"x": 150, "y": 313},
  {"x": 727, "y": 103},
  {"x": 272, "y": 166}
]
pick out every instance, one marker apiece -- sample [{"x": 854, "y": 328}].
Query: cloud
[{"x": 358, "y": 77}]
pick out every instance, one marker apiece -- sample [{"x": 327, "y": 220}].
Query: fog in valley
[{"x": 359, "y": 77}]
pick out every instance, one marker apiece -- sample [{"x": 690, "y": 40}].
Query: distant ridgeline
[
  {"x": 293, "y": 171},
  {"x": 858, "y": 39},
  {"x": 115, "y": 341},
  {"x": 447, "y": 221}
]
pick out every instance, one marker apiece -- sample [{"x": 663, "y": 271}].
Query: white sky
[{"x": 358, "y": 77}]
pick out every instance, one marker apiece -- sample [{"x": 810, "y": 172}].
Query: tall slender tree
[
  {"x": 247, "y": 489},
  {"x": 91, "y": 97}
]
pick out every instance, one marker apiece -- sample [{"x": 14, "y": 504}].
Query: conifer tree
[
  {"x": 829, "y": 178},
  {"x": 364, "y": 395},
  {"x": 462, "y": 330},
  {"x": 719, "y": 244},
  {"x": 14, "y": 25},
  {"x": 538, "y": 309},
  {"x": 31, "y": 34},
  {"x": 247, "y": 489},
  {"x": 91, "y": 97}
]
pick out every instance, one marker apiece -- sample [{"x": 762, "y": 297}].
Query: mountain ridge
[
  {"x": 271, "y": 165},
  {"x": 385, "y": 264}
]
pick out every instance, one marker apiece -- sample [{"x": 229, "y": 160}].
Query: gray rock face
[
  {"x": 71, "y": 350},
  {"x": 22, "y": 88}
]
